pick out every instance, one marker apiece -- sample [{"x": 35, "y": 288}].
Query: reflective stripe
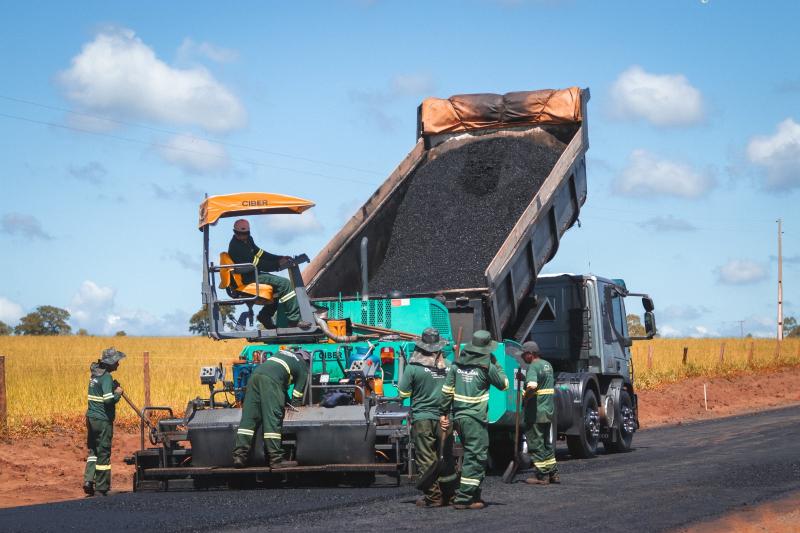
[
  {"x": 297, "y": 394},
  {"x": 545, "y": 391},
  {"x": 257, "y": 257},
  {"x": 108, "y": 395},
  {"x": 248, "y": 432},
  {"x": 93, "y": 398},
  {"x": 286, "y": 297},
  {"x": 283, "y": 364},
  {"x": 102, "y": 468},
  {"x": 471, "y": 399},
  {"x": 91, "y": 459},
  {"x": 448, "y": 390},
  {"x": 404, "y": 394},
  {"x": 542, "y": 464},
  {"x": 470, "y": 481},
  {"x": 272, "y": 436}
]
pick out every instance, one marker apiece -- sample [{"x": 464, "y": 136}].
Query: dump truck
[{"x": 455, "y": 238}]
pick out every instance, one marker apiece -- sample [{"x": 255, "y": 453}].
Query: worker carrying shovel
[
  {"x": 539, "y": 409},
  {"x": 422, "y": 382},
  {"x": 264, "y": 405},
  {"x": 104, "y": 393},
  {"x": 466, "y": 392}
]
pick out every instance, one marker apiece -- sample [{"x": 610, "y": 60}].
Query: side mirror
[
  {"x": 627, "y": 342},
  {"x": 650, "y": 324},
  {"x": 647, "y": 303}
]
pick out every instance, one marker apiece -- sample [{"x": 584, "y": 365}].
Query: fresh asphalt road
[{"x": 675, "y": 476}]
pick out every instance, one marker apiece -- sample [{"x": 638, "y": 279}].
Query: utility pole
[
  {"x": 780, "y": 283},
  {"x": 741, "y": 328}
]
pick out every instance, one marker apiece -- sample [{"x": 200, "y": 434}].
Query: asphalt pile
[{"x": 458, "y": 210}]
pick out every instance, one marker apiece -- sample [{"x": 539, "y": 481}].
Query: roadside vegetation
[{"x": 46, "y": 376}]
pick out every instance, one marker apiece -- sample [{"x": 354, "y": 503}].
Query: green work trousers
[
  {"x": 475, "y": 441},
  {"x": 263, "y": 406},
  {"x": 540, "y": 448},
  {"x": 283, "y": 294},
  {"x": 426, "y": 435},
  {"x": 99, "y": 434}
]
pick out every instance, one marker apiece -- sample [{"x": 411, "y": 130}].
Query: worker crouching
[
  {"x": 422, "y": 382},
  {"x": 539, "y": 409},
  {"x": 104, "y": 393},
  {"x": 264, "y": 405},
  {"x": 466, "y": 393}
]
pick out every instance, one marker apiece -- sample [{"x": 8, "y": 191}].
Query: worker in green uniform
[
  {"x": 422, "y": 381},
  {"x": 539, "y": 409},
  {"x": 104, "y": 393},
  {"x": 264, "y": 404},
  {"x": 243, "y": 249},
  {"x": 466, "y": 392}
]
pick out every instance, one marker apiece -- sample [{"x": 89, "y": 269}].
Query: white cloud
[
  {"x": 415, "y": 84},
  {"x": 120, "y": 75},
  {"x": 661, "y": 99},
  {"x": 93, "y": 172},
  {"x": 668, "y": 223},
  {"x": 194, "y": 155},
  {"x": 90, "y": 303},
  {"x": 10, "y": 312},
  {"x": 683, "y": 312},
  {"x": 286, "y": 228},
  {"x": 22, "y": 225},
  {"x": 648, "y": 174},
  {"x": 778, "y": 155},
  {"x": 741, "y": 272},
  {"x": 189, "y": 49}
]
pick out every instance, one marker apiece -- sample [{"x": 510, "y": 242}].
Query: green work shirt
[
  {"x": 466, "y": 387},
  {"x": 102, "y": 399},
  {"x": 286, "y": 368},
  {"x": 248, "y": 252},
  {"x": 423, "y": 385},
  {"x": 540, "y": 405}
]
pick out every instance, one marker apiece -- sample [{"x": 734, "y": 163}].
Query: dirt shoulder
[
  {"x": 50, "y": 468},
  {"x": 780, "y": 516}
]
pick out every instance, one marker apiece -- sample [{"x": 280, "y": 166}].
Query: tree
[
  {"x": 635, "y": 327},
  {"x": 199, "y": 324},
  {"x": 790, "y": 328},
  {"x": 121, "y": 333},
  {"x": 45, "y": 320},
  {"x": 82, "y": 333},
  {"x": 5, "y": 329}
]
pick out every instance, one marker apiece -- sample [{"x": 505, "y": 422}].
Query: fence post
[
  {"x": 3, "y": 404},
  {"x": 750, "y": 354},
  {"x": 777, "y": 350},
  {"x": 650, "y": 356},
  {"x": 722, "y": 353},
  {"x": 685, "y": 354},
  {"x": 146, "y": 369}
]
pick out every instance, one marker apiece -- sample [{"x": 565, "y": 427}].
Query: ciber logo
[{"x": 254, "y": 203}]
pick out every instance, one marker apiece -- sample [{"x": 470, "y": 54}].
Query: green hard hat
[
  {"x": 111, "y": 356},
  {"x": 481, "y": 343}
]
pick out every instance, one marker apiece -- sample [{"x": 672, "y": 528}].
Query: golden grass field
[{"x": 46, "y": 377}]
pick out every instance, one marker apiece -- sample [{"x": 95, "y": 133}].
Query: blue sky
[{"x": 116, "y": 118}]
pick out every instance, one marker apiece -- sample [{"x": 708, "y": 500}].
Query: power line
[
  {"x": 173, "y": 132},
  {"x": 187, "y": 150}
]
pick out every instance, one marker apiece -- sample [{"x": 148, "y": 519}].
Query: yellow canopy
[{"x": 249, "y": 203}]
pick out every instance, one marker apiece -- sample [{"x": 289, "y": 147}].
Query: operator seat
[{"x": 232, "y": 282}]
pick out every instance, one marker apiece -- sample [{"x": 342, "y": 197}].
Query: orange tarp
[
  {"x": 467, "y": 112},
  {"x": 249, "y": 203}
]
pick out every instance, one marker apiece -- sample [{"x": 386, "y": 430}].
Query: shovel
[{"x": 513, "y": 466}]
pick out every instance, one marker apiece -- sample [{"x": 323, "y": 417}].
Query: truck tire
[
  {"x": 627, "y": 425},
  {"x": 584, "y": 445}
]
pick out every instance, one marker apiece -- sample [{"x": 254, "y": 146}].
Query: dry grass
[
  {"x": 47, "y": 377},
  {"x": 703, "y": 358}
]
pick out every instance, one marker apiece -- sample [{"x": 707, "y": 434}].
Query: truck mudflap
[{"x": 570, "y": 388}]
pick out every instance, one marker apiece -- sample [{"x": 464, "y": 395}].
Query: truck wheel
[
  {"x": 584, "y": 445},
  {"x": 627, "y": 425}
]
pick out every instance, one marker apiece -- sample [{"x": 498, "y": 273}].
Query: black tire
[
  {"x": 584, "y": 445},
  {"x": 627, "y": 426}
]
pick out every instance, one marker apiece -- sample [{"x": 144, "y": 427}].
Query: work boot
[
  {"x": 473, "y": 506},
  {"x": 88, "y": 488},
  {"x": 265, "y": 317},
  {"x": 283, "y": 463},
  {"x": 239, "y": 462},
  {"x": 426, "y": 503},
  {"x": 538, "y": 479},
  {"x": 554, "y": 478}
]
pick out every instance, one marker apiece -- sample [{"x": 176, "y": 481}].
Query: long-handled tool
[
  {"x": 432, "y": 473},
  {"x": 153, "y": 431},
  {"x": 513, "y": 466}
]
